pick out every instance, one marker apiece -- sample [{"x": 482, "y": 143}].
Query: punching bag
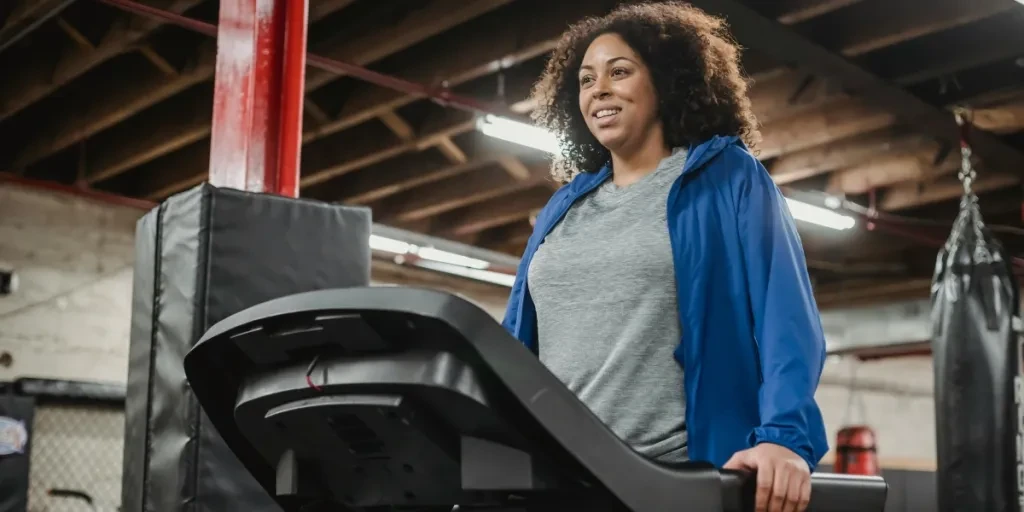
[
  {"x": 977, "y": 359},
  {"x": 857, "y": 451}
]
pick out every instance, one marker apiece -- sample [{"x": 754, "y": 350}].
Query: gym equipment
[
  {"x": 856, "y": 451},
  {"x": 390, "y": 398},
  {"x": 200, "y": 257},
  {"x": 977, "y": 358}
]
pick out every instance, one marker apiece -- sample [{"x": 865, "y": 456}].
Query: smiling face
[{"x": 617, "y": 96}]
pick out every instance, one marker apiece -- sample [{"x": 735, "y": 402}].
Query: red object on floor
[
  {"x": 857, "y": 451},
  {"x": 258, "y": 95}
]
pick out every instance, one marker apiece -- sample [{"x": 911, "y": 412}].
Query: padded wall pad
[
  {"x": 975, "y": 313},
  {"x": 202, "y": 256}
]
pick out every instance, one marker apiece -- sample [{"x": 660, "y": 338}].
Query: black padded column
[{"x": 201, "y": 256}]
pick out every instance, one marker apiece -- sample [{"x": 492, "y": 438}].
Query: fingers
[
  {"x": 738, "y": 462},
  {"x": 794, "y": 492},
  {"x": 765, "y": 483},
  {"x": 780, "y": 489},
  {"x": 805, "y": 494}
]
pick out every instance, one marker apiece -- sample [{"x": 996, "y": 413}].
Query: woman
[{"x": 665, "y": 283}]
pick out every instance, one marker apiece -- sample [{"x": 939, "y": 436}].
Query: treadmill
[{"x": 398, "y": 399}]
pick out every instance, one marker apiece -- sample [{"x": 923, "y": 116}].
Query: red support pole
[
  {"x": 292, "y": 97},
  {"x": 258, "y": 95}
]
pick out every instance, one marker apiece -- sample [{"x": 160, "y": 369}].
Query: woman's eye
[
  {"x": 618, "y": 71},
  {"x": 585, "y": 80}
]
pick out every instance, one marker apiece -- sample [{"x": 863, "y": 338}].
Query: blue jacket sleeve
[
  {"x": 787, "y": 324},
  {"x": 512, "y": 306}
]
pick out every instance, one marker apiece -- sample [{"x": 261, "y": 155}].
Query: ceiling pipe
[{"x": 33, "y": 24}]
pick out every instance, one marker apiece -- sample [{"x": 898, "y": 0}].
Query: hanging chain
[
  {"x": 969, "y": 210},
  {"x": 967, "y": 173}
]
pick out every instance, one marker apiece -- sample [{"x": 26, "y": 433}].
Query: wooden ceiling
[{"x": 853, "y": 97}]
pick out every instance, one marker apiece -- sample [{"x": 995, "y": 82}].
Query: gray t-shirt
[{"x": 603, "y": 283}]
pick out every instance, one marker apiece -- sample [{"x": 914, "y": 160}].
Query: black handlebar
[{"x": 829, "y": 492}]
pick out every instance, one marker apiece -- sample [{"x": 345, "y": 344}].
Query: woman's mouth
[{"x": 606, "y": 117}]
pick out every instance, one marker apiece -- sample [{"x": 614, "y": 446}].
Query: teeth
[{"x": 606, "y": 113}]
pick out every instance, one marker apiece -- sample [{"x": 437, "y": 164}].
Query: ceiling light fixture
[
  {"x": 540, "y": 139},
  {"x": 442, "y": 261},
  {"x": 517, "y": 132},
  {"x": 821, "y": 216}
]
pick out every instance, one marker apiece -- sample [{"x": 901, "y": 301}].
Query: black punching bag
[{"x": 976, "y": 347}]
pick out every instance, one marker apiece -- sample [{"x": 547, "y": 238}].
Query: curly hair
[{"x": 694, "y": 64}]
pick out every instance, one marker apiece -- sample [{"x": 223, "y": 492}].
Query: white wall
[
  {"x": 894, "y": 397},
  {"x": 70, "y": 318}
]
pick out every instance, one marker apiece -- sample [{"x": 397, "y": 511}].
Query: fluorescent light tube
[
  {"x": 429, "y": 253},
  {"x": 818, "y": 215},
  {"x": 380, "y": 243},
  {"x": 518, "y": 133},
  {"x": 480, "y": 275}
]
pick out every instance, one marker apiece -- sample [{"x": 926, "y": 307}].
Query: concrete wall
[
  {"x": 69, "y": 316},
  {"x": 69, "y": 319}
]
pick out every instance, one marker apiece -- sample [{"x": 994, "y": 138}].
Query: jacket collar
[{"x": 699, "y": 154}]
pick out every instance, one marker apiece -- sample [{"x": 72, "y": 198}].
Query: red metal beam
[{"x": 258, "y": 93}]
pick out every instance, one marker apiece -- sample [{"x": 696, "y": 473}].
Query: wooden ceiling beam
[
  {"x": 162, "y": 178},
  {"x": 419, "y": 25},
  {"x": 404, "y": 131},
  {"x": 912, "y": 195},
  {"x": 157, "y": 60},
  {"x": 29, "y": 84},
  {"x": 122, "y": 99},
  {"x": 1001, "y": 118},
  {"x": 795, "y": 128},
  {"x": 797, "y": 11},
  {"x": 322, "y": 164},
  {"x": 75, "y": 35},
  {"x": 921, "y": 165},
  {"x": 413, "y": 170},
  {"x": 462, "y": 55},
  {"x": 181, "y": 125},
  {"x": 994, "y": 39},
  {"x": 807, "y": 163},
  {"x": 474, "y": 219},
  {"x": 839, "y": 120},
  {"x": 438, "y": 16},
  {"x": 816, "y": 127},
  {"x": 459, "y": 191},
  {"x": 515, "y": 168},
  {"x": 766, "y": 35},
  {"x": 320, "y": 9},
  {"x": 26, "y": 16},
  {"x": 790, "y": 93},
  {"x": 861, "y": 31}
]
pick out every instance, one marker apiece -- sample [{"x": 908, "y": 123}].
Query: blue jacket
[{"x": 752, "y": 346}]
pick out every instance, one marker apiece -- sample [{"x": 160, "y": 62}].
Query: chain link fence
[
  {"x": 76, "y": 446},
  {"x": 76, "y": 458}
]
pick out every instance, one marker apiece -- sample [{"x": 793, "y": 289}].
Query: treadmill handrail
[{"x": 522, "y": 373}]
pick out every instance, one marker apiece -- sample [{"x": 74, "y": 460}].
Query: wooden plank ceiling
[{"x": 104, "y": 99}]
